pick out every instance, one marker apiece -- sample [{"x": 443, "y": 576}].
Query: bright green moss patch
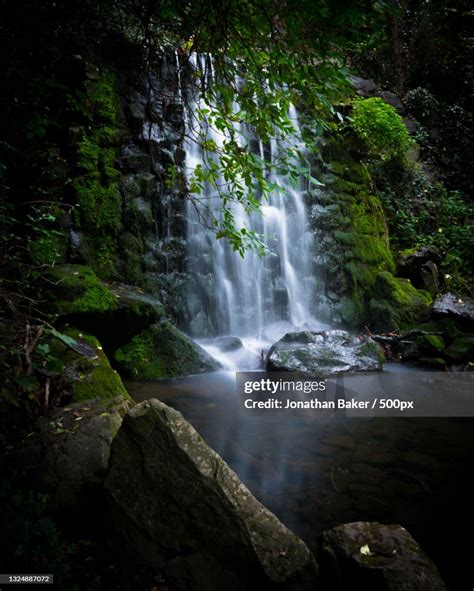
[
  {"x": 163, "y": 351},
  {"x": 396, "y": 303},
  {"x": 80, "y": 290},
  {"x": 381, "y": 128}
]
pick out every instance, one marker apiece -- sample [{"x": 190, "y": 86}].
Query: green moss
[
  {"x": 461, "y": 349},
  {"x": 355, "y": 230},
  {"x": 352, "y": 310},
  {"x": 381, "y": 128},
  {"x": 396, "y": 303},
  {"x": 372, "y": 350},
  {"x": 80, "y": 290},
  {"x": 88, "y": 375},
  {"x": 48, "y": 249},
  {"x": 433, "y": 342},
  {"x": 163, "y": 351},
  {"x": 98, "y": 209}
]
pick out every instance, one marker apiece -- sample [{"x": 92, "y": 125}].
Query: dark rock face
[
  {"x": 362, "y": 86},
  {"x": 375, "y": 557},
  {"x": 421, "y": 268},
  {"x": 179, "y": 508},
  {"x": 324, "y": 353},
  {"x": 393, "y": 100},
  {"x": 461, "y": 309},
  {"x": 76, "y": 442}
]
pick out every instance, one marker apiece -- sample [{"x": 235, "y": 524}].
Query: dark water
[{"x": 316, "y": 472}]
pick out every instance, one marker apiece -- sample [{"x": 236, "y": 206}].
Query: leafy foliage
[
  {"x": 381, "y": 128},
  {"x": 421, "y": 212}
]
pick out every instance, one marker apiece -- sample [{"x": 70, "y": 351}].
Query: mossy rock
[
  {"x": 461, "y": 349},
  {"x": 430, "y": 343},
  {"x": 87, "y": 371},
  {"x": 79, "y": 290},
  {"x": 352, "y": 222},
  {"x": 448, "y": 327},
  {"x": 163, "y": 351},
  {"x": 396, "y": 303},
  {"x": 112, "y": 312}
]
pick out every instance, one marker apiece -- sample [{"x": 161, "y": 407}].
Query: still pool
[{"x": 315, "y": 472}]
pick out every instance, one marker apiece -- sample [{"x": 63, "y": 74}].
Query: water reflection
[{"x": 315, "y": 471}]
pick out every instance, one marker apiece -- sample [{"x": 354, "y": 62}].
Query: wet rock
[
  {"x": 375, "y": 557},
  {"x": 227, "y": 344},
  {"x": 421, "y": 268},
  {"x": 178, "y": 507},
  {"x": 163, "y": 351},
  {"x": 362, "y": 86},
  {"x": 449, "y": 305},
  {"x": 324, "y": 353},
  {"x": 410, "y": 124},
  {"x": 76, "y": 442}
]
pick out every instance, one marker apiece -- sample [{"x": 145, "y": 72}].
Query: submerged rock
[
  {"x": 375, "y": 557},
  {"x": 228, "y": 344},
  {"x": 324, "y": 352},
  {"x": 163, "y": 351},
  {"x": 179, "y": 508},
  {"x": 76, "y": 442}
]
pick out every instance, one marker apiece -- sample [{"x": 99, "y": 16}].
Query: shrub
[{"x": 381, "y": 128}]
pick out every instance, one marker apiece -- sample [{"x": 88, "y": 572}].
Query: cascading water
[{"x": 234, "y": 295}]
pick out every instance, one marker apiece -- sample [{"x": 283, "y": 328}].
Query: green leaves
[{"x": 381, "y": 128}]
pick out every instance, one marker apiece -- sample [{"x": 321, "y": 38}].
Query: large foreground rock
[
  {"x": 375, "y": 557},
  {"x": 325, "y": 352},
  {"x": 180, "y": 509},
  {"x": 75, "y": 442}
]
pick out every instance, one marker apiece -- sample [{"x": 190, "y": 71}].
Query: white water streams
[{"x": 229, "y": 294}]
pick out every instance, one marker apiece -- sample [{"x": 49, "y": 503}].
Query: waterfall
[{"x": 227, "y": 293}]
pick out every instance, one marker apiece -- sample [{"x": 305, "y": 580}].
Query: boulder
[
  {"x": 393, "y": 100},
  {"x": 228, "y": 344},
  {"x": 178, "y": 508},
  {"x": 324, "y": 353},
  {"x": 76, "y": 442},
  {"x": 421, "y": 268},
  {"x": 375, "y": 557},
  {"x": 451, "y": 306},
  {"x": 114, "y": 312},
  {"x": 85, "y": 369},
  {"x": 362, "y": 86},
  {"x": 163, "y": 351}
]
